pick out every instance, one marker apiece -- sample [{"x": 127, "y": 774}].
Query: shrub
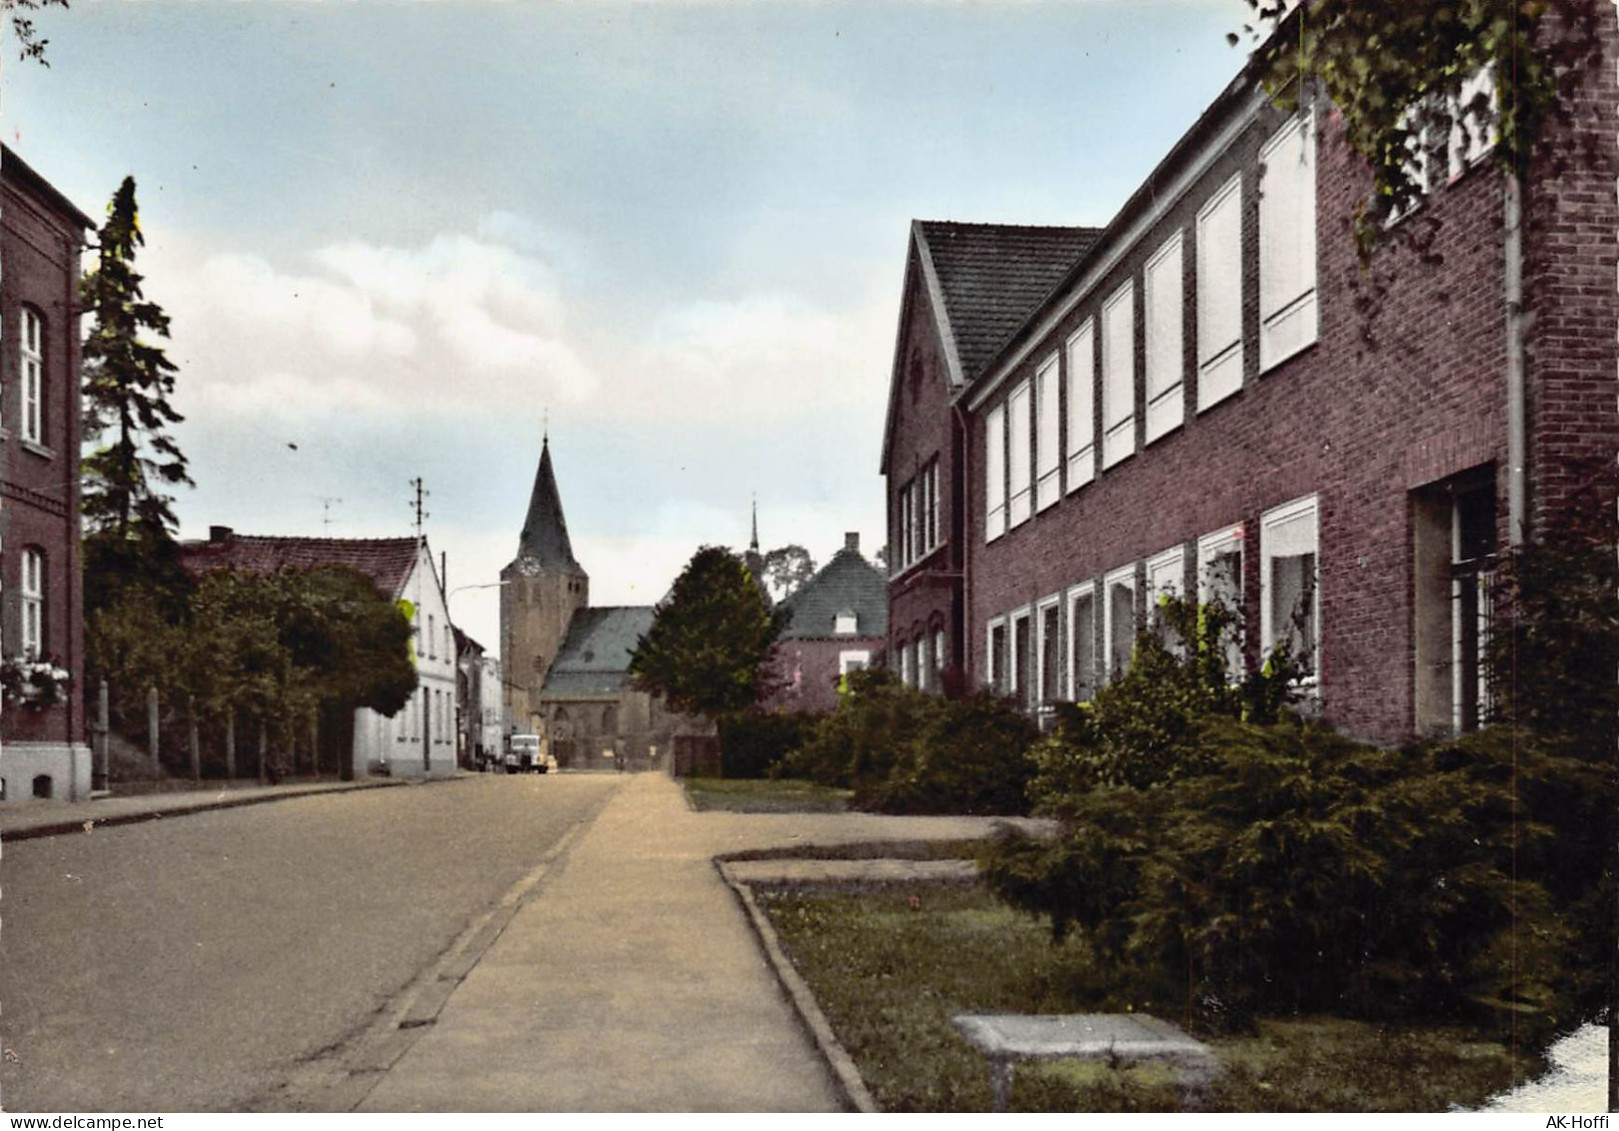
[
  {"x": 1294, "y": 870},
  {"x": 858, "y": 744},
  {"x": 903, "y": 751},
  {"x": 970, "y": 756},
  {"x": 752, "y": 743}
]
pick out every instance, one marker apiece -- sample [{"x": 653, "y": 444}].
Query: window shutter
[
  {"x": 1164, "y": 299},
  {"x": 1118, "y": 376},
  {"x": 1082, "y": 407},
  {"x": 1219, "y": 296},
  {"x": 1047, "y": 448}
]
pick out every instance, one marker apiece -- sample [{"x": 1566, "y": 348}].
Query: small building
[
  {"x": 42, "y": 727},
  {"x": 469, "y": 672},
  {"x": 837, "y": 623},
  {"x": 419, "y": 741}
]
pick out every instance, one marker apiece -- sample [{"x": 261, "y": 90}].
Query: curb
[
  {"x": 86, "y": 824},
  {"x": 855, "y": 1093}
]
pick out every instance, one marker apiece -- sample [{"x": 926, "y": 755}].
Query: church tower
[{"x": 541, "y": 589}]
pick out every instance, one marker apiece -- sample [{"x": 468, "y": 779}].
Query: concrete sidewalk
[
  {"x": 632, "y": 981},
  {"x": 25, "y": 820}
]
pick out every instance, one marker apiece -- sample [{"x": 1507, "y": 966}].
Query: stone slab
[{"x": 1128, "y": 1036}]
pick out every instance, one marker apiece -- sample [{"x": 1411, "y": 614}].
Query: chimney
[
  {"x": 220, "y": 534},
  {"x": 851, "y": 541}
]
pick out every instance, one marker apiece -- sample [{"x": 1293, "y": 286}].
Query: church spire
[
  {"x": 754, "y": 545},
  {"x": 545, "y": 531}
]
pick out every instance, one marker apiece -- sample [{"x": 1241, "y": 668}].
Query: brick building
[
  {"x": 837, "y": 623},
  {"x": 1214, "y": 396},
  {"x": 41, "y": 617}
]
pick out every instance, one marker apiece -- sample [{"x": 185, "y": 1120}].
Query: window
[
  {"x": 33, "y": 365},
  {"x": 1018, "y": 421},
  {"x": 1119, "y": 615},
  {"x": 432, "y": 634},
  {"x": 904, "y": 664},
  {"x": 1119, "y": 376},
  {"x": 997, "y": 673},
  {"x": 853, "y": 662},
  {"x": 33, "y": 602},
  {"x": 1453, "y": 540},
  {"x": 907, "y": 526},
  {"x": 1164, "y": 298},
  {"x": 1082, "y": 407},
  {"x": 938, "y": 658},
  {"x": 1219, "y": 296},
  {"x": 1021, "y": 682},
  {"x": 1434, "y": 161},
  {"x": 1082, "y": 643},
  {"x": 1050, "y": 650},
  {"x": 845, "y": 623},
  {"x": 930, "y": 506},
  {"x": 1047, "y": 440},
  {"x": 1290, "y": 599},
  {"x": 919, "y": 664},
  {"x": 1287, "y": 298},
  {"x": 1166, "y": 573},
  {"x": 995, "y": 473},
  {"x": 1219, "y": 581}
]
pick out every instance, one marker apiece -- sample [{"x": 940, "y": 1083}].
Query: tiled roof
[
  {"x": 846, "y": 584},
  {"x": 595, "y": 658},
  {"x": 386, "y": 561},
  {"x": 993, "y": 276}
]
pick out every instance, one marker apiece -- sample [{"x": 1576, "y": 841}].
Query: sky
[{"x": 404, "y": 239}]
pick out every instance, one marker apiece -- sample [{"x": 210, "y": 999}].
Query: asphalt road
[{"x": 191, "y": 964}]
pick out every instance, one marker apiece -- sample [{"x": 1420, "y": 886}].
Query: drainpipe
[
  {"x": 964, "y": 546},
  {"x": 1517, "y": 318}
]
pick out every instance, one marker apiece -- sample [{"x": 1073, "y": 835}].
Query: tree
[
  {"x": 29, "y": 44},
  {"x": 1402, "y": 74},
  {"x": 711, "y": 638},
  {"x": 127, "y": 384},
  {"x": 785, "y": 569}
]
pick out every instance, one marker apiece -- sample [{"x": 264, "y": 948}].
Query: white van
[{"x": 523, "y": 754}]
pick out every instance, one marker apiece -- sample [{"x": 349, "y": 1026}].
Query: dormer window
[{"x": 845, "y": 624}]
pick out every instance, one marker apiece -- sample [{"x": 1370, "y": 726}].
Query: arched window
[
  {"x": 33, "y": 602},
  {"x": 33, "y": 369}
]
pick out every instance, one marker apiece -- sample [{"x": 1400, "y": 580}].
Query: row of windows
[
  {"x": 432, "y": 636},
  {"x": 407, "y": 725},
  {"x": 1069, "y": 644},
  {"x": 920, "y": 663},
  {"x": 1025, "y": 456},
  {"x": 918, "y": 507}
]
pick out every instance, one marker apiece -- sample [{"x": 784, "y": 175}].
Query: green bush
[
  {"x": 857, "y": 745},
  {"x": 903, "y": 751},
  {"x": 1296, "y": 871},
  {"x": 752, "y": 743},
  {"x": 970, "y": 756}
]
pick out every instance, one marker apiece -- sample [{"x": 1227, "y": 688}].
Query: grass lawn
[
  {"x": 745, "y": 795},
  {"x": 890, "y": 965}
]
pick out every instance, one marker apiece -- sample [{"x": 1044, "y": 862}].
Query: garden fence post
[
  {"x": 230, "y": 743},
  {"x": 192, "y": 737},
  {"x": 152, "y": 739},
  {"x": 103, "y": 731}
]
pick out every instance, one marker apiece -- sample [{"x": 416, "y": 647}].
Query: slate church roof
[
  {"x": 544, "y": 542},
  {"x": 595, "y": 658}
]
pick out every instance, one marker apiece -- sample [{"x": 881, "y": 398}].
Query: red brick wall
[
  {"x": 1572, "y": 263},
  {"x": 1405, "y": 385},
  {"x": 922, "y": 598},
  {"x": 809, "y": 671},
  {"x": 40, "y": 254}
]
